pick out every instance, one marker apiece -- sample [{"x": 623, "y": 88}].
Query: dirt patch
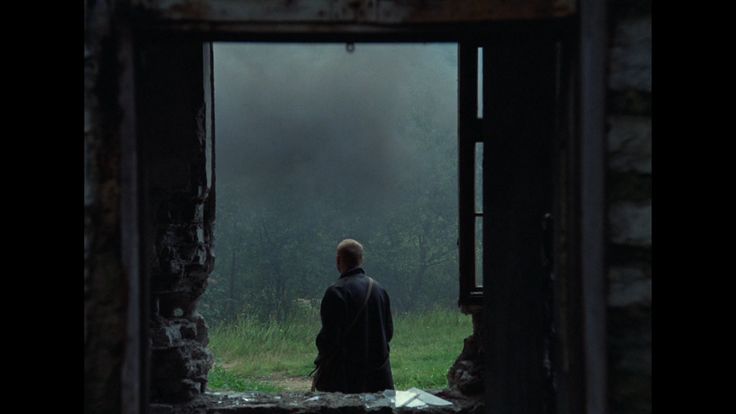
[{"x": 296, "y": 384}]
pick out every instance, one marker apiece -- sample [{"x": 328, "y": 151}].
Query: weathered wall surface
[
  {"x": 180, "y": 212},
  {"x": 182, "y": 205},
  {"x": 466, "y": 374},
  {"x": 170, "y": 108},
  {"x": 104, "y": 274},
  {"x": 629, "y": 200},
  {"x": 320, "y": 402}
]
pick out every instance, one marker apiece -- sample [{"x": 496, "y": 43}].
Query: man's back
[{"x": 355, "y": 336}]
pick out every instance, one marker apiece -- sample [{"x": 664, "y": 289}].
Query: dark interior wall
[
  {"x": 105, "y": 274},
  {"x": 519, "y": 90},
  {"x": 167, "y": 97},
  {"x": 182, "y": 249},
  {"x": 629, "y": 202},
  {"x": 180, "y": 212}
]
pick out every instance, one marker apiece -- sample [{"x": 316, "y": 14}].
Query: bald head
[{"x": 349, "y": 255}]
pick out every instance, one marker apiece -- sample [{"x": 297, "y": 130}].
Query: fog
[{"x": 315, "y": 144}]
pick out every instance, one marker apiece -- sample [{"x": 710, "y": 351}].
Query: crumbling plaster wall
[{"x": 629, "y": 200}]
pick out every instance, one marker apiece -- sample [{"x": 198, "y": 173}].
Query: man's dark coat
[{"x": 357, "y": 360}]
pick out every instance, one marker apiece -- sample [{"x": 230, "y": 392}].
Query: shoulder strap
[{"x": 365, "y": 302}]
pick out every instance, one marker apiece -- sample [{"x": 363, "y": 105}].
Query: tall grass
[
  {"x": 425, "y": 345},
  {"x": 250, "y": 355}
]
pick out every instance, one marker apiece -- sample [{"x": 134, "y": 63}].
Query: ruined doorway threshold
[{"x": 321, "y": 402}]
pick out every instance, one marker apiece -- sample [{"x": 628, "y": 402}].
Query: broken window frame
[{"x": 469, "y": 135}]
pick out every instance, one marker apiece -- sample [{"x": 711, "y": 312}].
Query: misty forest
[{"x": 315, "y": 144}]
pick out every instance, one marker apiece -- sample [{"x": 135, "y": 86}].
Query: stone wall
[
  {"x": 180, "y": 213},
  {"x": 629, "y": 200},
  {"x": 466, "y": 373},
  {"x": 320, "y": 402}
]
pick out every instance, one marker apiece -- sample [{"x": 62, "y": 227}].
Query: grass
[
  {"x": 425, "y": 345},
  {"x": 254, "y": 356},
  {"x": 222, "y": 379}
]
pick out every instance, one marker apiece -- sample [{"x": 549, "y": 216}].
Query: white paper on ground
[
  {"x": 414, "y": 397},
  {"x": 429, "y": 398},
  {"x": 407, "y": 399}
]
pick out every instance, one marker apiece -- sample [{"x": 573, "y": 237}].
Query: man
[{"x": 356, "y": 329}]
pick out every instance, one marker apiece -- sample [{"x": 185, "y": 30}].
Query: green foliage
[{"x": 250, "y": 354}]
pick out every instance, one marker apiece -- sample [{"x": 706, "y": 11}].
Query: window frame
[
  {"x": 469, "y": 134},
  {"x": 471, "y": 296}
]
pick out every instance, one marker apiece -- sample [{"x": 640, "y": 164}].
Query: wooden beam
[
  {"x": 592, "y": 140},
  {"x": 133, "y": 376},
  {"x": 467, "y": 135},
  {"x": 362, "y": 12}
]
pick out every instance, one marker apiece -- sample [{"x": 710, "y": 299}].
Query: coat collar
[{"x": 353, "y": 271}]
